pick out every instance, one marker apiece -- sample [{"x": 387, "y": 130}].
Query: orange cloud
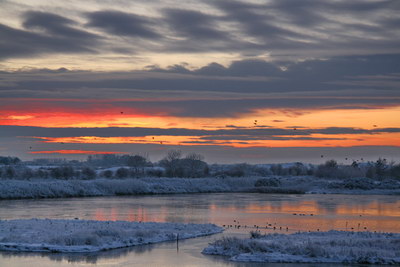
[{"x": 321, "y": 140}]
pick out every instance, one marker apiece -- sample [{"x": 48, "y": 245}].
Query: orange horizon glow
[
  {"x": 348, "y": 140},
  {"x": 102, "y": 114}
]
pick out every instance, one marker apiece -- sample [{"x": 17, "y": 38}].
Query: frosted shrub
[{"x": 274, "y": 182}]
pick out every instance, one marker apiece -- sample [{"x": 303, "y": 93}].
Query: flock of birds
[
  {"x": 237, "y": 225},
  {"x": 273, "y": 226}
]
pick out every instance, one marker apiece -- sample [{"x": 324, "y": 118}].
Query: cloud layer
[
  {"x": 280, "y": 28},
  {"x": 199, "y": 74}
]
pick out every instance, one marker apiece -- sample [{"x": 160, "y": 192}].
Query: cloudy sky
[{"x": 238, "y": 81}]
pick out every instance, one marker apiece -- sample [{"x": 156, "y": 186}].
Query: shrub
[
  {"x": 277, "y": 169},
  {"x": 191, "y": 166},
  {"x": 107, "y": 174},
  {"x": 329, "y": 169},
  {"x": 395, "y": 171},
  {"x": 354, "y": 183},
  {"x": 273, "y": 182},
  {"x": 154, "y": 172},
  {"x": 88, "y": 173},
  {"x": 122, "y": 173}
]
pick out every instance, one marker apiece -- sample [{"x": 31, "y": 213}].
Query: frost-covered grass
[
  {"x": 52, "y": 188},
  {"x": 89, "y": 236},
  {"x": 13, "y": 189},
  {"x": 314, "y": 247}
]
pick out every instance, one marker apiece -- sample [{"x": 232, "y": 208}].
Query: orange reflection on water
[
  {"x": 278, "y": 216},
  {"x": 372, "y": 209},
  {"x": 132, "y": 215},
  {"x": 311, "y": 215}
]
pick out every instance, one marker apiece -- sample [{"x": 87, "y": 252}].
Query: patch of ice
[{"x": 50, "y": 235}]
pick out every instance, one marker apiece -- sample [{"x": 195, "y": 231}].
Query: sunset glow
[{"x": 148, "y": 77}]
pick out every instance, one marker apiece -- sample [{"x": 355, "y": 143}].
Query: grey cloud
[
  {"x": 236, "y": 108},
  {"x": 242, "y": 68},
  {"x": 306, "y": 13},
  {"x": 254, "y": 20},
  {"x": 362, "y": 6},
  {"x": 215, "y": 91},
  {"x": 125, "y": 24},
  {"x": 56, "y": 36},
  {"x": 310, "y": 71},
  {"x": 282, "y": 28},
  {"x": 309, "y": 27},
  {"x": 56, "y": 25},
  {"x": 30, "y": 131},
  {"x": 264, "y": 138},
  {"x": 194, "y": 25}
]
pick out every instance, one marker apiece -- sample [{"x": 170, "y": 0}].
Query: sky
[{"x": 237, "y": 81}]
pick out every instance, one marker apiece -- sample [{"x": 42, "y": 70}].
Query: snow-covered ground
[
  {"x": 51, "y": 188},
  {"x": 314, "y": 247},
  {"x": 88, "y": 236}
]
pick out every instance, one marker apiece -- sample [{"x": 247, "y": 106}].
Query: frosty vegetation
[
  {"x": 89, "y": 236},
  {"x": 314, "y": 247},
  {"x": 103, "y": 175}
]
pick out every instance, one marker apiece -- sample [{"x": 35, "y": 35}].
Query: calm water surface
[{"x": 269, "y": 212}]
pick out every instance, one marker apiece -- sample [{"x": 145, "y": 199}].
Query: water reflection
[
  {"x": 295, "y": 213},
  {"x": 265, "y": 211}
]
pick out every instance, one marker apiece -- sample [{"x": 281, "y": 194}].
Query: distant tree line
[
  {"x": 9, "y": 160},
  {"x": 175, "y": 164}
]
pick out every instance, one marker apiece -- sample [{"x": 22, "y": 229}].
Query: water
[{"x": 239, "y": 212}]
